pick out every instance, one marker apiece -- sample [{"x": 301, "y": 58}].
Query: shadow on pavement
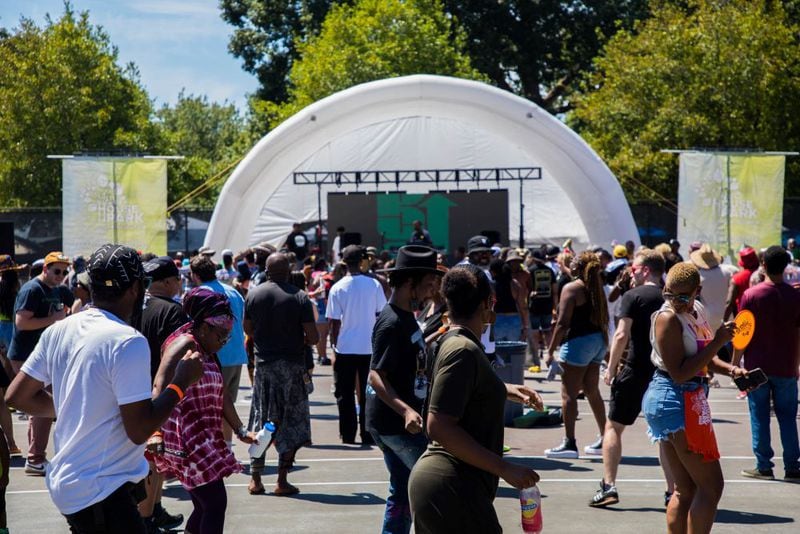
[
  {"x": 342, "y": 447},
  {"x": 724, "y": 421},
  {"x": 320, "y": 403},
  {"x": 324, "y": 498},
  {"x": 749, "y": 518},
  {"x": 325, "y": 416},
  {"x": 638, "y": 461},
  {"x": 546, "y": 464},
  {"x": 640, "y": 509}
]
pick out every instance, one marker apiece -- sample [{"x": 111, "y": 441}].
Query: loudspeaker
[
  {"x": 493, "y": 235},
  {"x": 7, "y": 238},
  {"x": 351, "y": 238}
]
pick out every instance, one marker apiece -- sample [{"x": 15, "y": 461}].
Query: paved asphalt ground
[{"x": 343, "y": 486}]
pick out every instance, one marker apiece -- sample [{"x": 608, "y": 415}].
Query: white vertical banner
[{"x": 121, "y": 200}]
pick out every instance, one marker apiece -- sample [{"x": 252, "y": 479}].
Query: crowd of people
[{"x": 159, "y": 344}]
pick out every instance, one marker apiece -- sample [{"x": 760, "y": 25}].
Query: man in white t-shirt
[
  {"x": 353, "y": 305},
  {"x": 336, "y": 247},
  {"x": 99, "y": 370}
]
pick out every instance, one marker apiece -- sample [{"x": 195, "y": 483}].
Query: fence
[{"x": 37, "y": 231}]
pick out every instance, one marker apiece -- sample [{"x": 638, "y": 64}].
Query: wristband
[
  {"x": 178, "y": 391},
  {"x": 241, "y": 433},
  {"x": 733, "y": 370}
]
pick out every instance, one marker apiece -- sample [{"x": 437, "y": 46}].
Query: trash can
[{"x": 511, "y": 354}]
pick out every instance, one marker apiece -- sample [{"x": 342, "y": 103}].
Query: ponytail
[{"x": 591, "y": 273}]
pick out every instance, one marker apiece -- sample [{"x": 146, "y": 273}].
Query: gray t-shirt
[{"x": 277, "y": 311}]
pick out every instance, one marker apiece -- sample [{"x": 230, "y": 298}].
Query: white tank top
[{"x": 696, "y": 332}]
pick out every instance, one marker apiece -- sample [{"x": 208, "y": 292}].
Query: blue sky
[{"x": 174, "y": 43}]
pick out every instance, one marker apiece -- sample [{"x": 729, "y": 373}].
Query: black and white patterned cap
[{"x": 115, "y": 266}]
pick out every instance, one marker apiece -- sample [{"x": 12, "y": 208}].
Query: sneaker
[
  {"x": 325, "y": 361},
  {"x": 762, "y": 474},
  {"x": 14, "y": 452},
  {"x": 567, "y": 449},
  {"x": 595, "y": 449},
  {"x": 506, "y": 449},
  {"x": 164, "y": 519},
  {"x": 35, "y": 469},
  {"x": 667, "y": 498},
  {"x": 605, "y": 496},
  {"x": 714, "y": 382},
  {"x": 554, "y": 370},
  {"x": 534, "y": 369},
  {"x": 792, "y": 475}
]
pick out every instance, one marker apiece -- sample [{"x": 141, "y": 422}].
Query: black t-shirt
[
  {"x": 160, "y": 318},
  {"x": 639, "y": 304},
  {"x": 297, "y": 243},
  {"x": 278, "y": 311},
  {"x": 398, "y": 349},
  {"x": 41, "y": 299},
  {"x": 542, "y": 278}
]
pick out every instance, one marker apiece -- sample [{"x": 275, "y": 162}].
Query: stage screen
[{"x": 385, "y": 220}]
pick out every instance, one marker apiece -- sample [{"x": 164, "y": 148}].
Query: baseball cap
[
  {"x": 207, "y": 251},
  {"x": 478, "y": 243},
  {"x": 161, "y": 268},
  {"x": 353, "y": 254},
  {"x": 115, "y": 266},
  {"x": 227, "y": 252},
  {"x": 620, "y": 251},
  {"x": 56, "y": 257}
]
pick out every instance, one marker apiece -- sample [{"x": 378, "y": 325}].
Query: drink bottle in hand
[
  {"x": 263, "y": 437},
  {"x": 530, "y": 502}
]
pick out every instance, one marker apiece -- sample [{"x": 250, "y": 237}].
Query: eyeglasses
[
  {"x": 636, "y": 268},
  {"x": 683, "y": 299},
  {"x": 60, "y": 272},
  {"x": 224, "y": 338}
]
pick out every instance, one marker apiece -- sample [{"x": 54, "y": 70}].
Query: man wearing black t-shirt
[
  {"x": 543, "y": 300},
  {"x": 398, "y": 378},
  {"x": 160, "y": 317},
  {"x": 297, "y": 242},
  {"x": 629, "y": 377}
]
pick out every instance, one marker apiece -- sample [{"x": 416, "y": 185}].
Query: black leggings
[{"x": 210, "y": 501}]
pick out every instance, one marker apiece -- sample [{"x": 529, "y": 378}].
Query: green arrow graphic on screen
[
  {"x": 437, "y": 207},
  {"x": 396, "y": 215}
]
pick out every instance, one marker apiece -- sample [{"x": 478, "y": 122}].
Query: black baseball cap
[
  {"x": 161, "y": 268},
  {"x": 115, "y": 266},
  {"x": 478, "y": 243},
  {"x": 353, "y": 254}
]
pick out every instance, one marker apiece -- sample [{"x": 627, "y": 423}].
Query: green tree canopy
[
  {"x": 537, "y": 49},
  {"x": 371, "y": 40},
  {"x": 209, "y": 135},
  {"x": 61, "y": 90},
  {"x": 701, "y": 73}
]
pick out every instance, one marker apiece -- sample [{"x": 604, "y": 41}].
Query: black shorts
[{"x": 627, "y": 392}]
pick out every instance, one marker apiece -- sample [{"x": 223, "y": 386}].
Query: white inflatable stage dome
[{"x": 424, "y": 122}]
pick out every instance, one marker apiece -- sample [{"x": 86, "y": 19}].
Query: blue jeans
[
  {"x": 782, "y": 392},
  {"x": 400, "y": 453}
]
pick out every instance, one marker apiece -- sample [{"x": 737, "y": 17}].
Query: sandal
[
  {"x": 256, "y": 489},
  {"x": 283, "y": 492}
]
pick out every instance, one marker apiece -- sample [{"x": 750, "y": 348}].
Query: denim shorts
[
  {"x": 663, "y": 406},
  {"x": 6, "y": 331},
  {"x": 541, "y": 322},
  {"x": 583, "y": 350}
]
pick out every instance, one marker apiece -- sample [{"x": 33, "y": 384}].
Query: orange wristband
[{"x": 178, "y": 391}]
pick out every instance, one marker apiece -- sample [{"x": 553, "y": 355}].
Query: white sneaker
[
  {"x": 595, "y": 449},
  {"x": 567, "y": 449}
]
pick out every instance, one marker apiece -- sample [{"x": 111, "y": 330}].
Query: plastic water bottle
[
  {"x": 530, "y": 503},
  {"x": 264, "y": 436}
]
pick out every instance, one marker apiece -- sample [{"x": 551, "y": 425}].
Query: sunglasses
[
  {"x": 683, "y": 299},
  {"x": 59, "y": 272}
]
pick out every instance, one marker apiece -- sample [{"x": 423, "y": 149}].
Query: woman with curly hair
[
  {"x": 675, "y": 405},
  {"x": 583, "y": 326}
]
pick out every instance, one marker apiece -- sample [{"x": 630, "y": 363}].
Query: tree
[
  {"x": 536, "y": 49},
  {"x": 267, "y": 35},
  {"x": 209, "y": 135},
  {"x": 371, "y": 40},
  {"x": 61, "y": 90},
  {"x": 539, "y": 49},
  {"x": 701, "y": 74}
]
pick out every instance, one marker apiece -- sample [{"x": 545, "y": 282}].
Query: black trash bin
[{"x": 512, "y": 356}]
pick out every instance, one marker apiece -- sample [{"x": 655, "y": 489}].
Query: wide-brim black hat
[
  {"x": 417, "y": 258},
  {"x": 478, "y": 243}
]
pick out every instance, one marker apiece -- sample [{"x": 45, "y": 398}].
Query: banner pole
[
  {"x": 728, "y": 172},
  {"x": 114, "y": 196}
]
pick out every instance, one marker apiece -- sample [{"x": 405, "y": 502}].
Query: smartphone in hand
[{"x": 751, "y": 380}]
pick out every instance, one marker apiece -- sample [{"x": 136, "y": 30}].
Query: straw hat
[
  {"x": 7, "y": 263},
  {"x": 705, "y": 257}
]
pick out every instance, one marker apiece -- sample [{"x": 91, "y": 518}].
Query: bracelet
[
  {"x": 733, "y": 370},
  {"x": 241, "y": 433},
  {"x": 157, "y": 434},
  {"x": 178, "y": 391}
]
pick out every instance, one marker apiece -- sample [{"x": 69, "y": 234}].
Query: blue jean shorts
[
  {"x": 663, "y": 406},
  {"x": 583, "y": 350}
]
